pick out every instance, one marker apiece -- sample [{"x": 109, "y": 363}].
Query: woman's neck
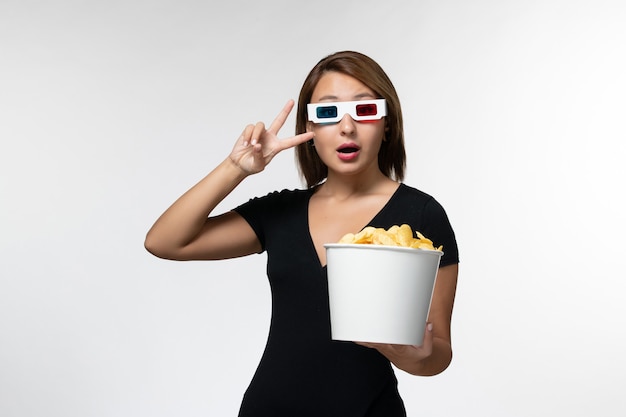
[{"x": 342, "y": 186}]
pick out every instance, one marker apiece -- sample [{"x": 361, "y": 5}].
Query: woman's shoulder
[
  {"x": 286, "y": 194},
  {"x": 417, "y": 201},
  {"x": 406, "y": 191},
  {"x": 277, "y": 199}
]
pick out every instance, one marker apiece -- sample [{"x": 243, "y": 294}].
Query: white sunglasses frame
[{"x": 346, "y": 107}]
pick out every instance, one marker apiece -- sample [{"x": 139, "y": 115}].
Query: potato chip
[
  {"x": 365, "y": 235},
  {"x": 384, "y": 239},
  {"x": 394, "y": 236},
  {"x": 348, "y": 238},
  {"x": 405, "y": 235}
]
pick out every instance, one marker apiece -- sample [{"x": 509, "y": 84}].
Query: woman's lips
[{"x": 348, "y": 151}]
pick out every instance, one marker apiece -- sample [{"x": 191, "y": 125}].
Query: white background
[{"x": 109, "y": 110}]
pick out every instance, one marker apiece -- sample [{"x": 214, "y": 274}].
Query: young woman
[{"x": 350, "y": 150}]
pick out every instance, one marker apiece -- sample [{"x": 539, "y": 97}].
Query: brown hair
[{"x": 392, "y": 156}]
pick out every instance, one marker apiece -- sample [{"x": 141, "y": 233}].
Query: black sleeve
[
  {"x": 436, "y": 226},
  {"x": 254, "y": 211}
]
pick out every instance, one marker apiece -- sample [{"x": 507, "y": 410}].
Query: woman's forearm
[
  {"x": 434, "y": 364},
  {"x": 184, "y": 219}
]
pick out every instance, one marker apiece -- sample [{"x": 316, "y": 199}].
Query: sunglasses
[{"x": 360, "y": 111}]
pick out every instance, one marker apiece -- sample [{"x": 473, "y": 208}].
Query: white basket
[{"x": 380, "y": 293}]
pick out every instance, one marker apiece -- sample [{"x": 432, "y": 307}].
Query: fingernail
[{"x": 429, "y": 326}]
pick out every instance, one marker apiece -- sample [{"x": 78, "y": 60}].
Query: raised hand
[{"x": 257, "y": 145}]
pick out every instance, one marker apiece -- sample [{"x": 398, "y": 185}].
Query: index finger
[
  {"x": 279, "y": 121},
  {"x": 294, "y": 140}
]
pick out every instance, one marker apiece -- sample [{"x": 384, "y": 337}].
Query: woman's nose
[{"x": 347, "y": 124}]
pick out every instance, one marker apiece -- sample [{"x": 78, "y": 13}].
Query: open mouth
[
  {"x": 348, "y": 149},
  {"x": 348, "y": 152}
]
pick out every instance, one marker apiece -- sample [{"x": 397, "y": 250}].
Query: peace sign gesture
[{"x": 257, "y": 145}]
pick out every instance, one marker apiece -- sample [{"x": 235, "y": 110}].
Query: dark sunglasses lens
[
  {"x": 366, "y": 109},
  {"x": 327, "y": 112}
]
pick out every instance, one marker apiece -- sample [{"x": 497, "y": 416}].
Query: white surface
[
  {"x": 379, "y": 293},
  {"x": 109, "y": 110}
]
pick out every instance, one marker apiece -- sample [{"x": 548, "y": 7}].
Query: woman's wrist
[
  {"x": 434, "y": 364},
  {"x": 235, "y": 169}
]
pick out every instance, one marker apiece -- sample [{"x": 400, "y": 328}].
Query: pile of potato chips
[{"x": 394, "y": 236}]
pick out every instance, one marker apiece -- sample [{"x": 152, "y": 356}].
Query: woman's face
[{"x": 347, "y": 147}]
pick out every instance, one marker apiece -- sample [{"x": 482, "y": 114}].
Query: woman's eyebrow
[
  {"x": 364, "y": 95},
  {"x": 356, "y": 97}
]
